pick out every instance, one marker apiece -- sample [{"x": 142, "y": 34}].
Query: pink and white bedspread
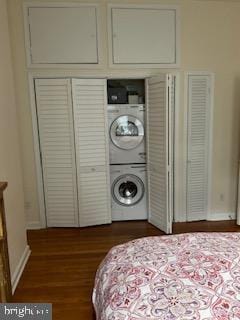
[{"x": 188, "y": 277}]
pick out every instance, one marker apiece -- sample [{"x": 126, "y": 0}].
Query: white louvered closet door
[
  {"x": 199, "y": 110},
  {"x": 159, "y": 151},
  {"x": 54, "y": 111},
  {"x": 91, "y": 138}
]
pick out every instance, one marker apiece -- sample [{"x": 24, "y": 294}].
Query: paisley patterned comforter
[{"x": 188, "y": 277}]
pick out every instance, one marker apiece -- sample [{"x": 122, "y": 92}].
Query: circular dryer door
[
  {"x": 128, "y": 190},
  {"x": 127, "y": 132}
]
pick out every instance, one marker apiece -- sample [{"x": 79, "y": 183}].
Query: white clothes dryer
[
  {"x": 126, "y": 134},
  {"x": 129, "y": 192}
]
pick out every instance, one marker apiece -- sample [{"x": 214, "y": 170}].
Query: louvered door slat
[
  {"x": 54, "y": 110},
  {"x": 92, "y": 123},
  {"x": 198, "y": 146},
  {"x": 89, "y": 105},
  {"x": 159, "y": 153}
]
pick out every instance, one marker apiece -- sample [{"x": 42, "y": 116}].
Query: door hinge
[
  {"x": 40, "y": 152},
  {"x": 30, "y": 38}
]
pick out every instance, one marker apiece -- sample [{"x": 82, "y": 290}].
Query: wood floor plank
[{"x": 63, "y": 263}]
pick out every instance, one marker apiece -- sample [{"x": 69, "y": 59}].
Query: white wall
[
  {"x": 209, "y": 42},
  {"x": 10, "y": 164}
]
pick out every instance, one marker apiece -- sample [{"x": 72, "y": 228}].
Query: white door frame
[
  {"x": 176, "y": 151},
  {"x": 32, "y": 75},
  {"x": 37, "y": 152},
  {"x": 183, "y": 216}
]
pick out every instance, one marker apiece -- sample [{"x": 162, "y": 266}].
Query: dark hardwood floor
[{"x": 63, "y": 262}]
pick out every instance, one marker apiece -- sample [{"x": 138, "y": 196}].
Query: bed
[{"x": 188, "y": 276}]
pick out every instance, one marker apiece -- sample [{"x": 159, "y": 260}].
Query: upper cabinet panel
[
  {"x": 143, "y": 35},
  {"x": 65, "y": 34}
]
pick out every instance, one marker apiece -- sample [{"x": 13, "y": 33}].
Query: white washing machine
[
  {"x": 126, "y": 134},
  {"x": 129, "y": 192}
]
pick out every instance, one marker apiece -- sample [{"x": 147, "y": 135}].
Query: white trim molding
[
  {"x": 20, "y": 267},
  {"x": 37, "y": 152},
  {"x": 34, "y": 225},
  {"x": 178, "y": 183}
]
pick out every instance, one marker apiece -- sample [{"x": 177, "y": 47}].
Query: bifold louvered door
[
  {"x": 89, "y": 108},
  {"x": 159, "y": 151},
  {"x": 199, "y": 111},
  {"x": 55, "y": 124}
]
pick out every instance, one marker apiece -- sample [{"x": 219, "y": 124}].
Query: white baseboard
[
  {"x": 20, "y": 267},
  {"x": 180, "y": 219},
  {"x": 34, "y": 225},
  {"x": 218, "y": 216}
]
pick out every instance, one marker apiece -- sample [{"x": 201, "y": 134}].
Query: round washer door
[
  {"x": 127, "y": 132},
  {"x": 128, "y": 190}
]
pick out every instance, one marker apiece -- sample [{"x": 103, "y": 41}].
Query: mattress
[{"x": 189, "y": 276}]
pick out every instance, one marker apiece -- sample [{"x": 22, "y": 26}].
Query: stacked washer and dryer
[{"x": 128, "y": 176}]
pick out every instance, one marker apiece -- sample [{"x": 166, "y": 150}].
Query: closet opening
[
  {"x": 141, "y": 146},
  {"x": 105, "y": 150},
  {"x": 127, "y": 149}
]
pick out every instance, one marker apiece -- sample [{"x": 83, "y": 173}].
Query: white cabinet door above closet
[
  {"x": 54, "y": 110},
  {"x": 61, "y": 34},
  {"x": 159, "y": 151},
  {"x": 198, "y": 154},
  {"x": 145, "y": 35},
  {"x": 89, "y": 107}
]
